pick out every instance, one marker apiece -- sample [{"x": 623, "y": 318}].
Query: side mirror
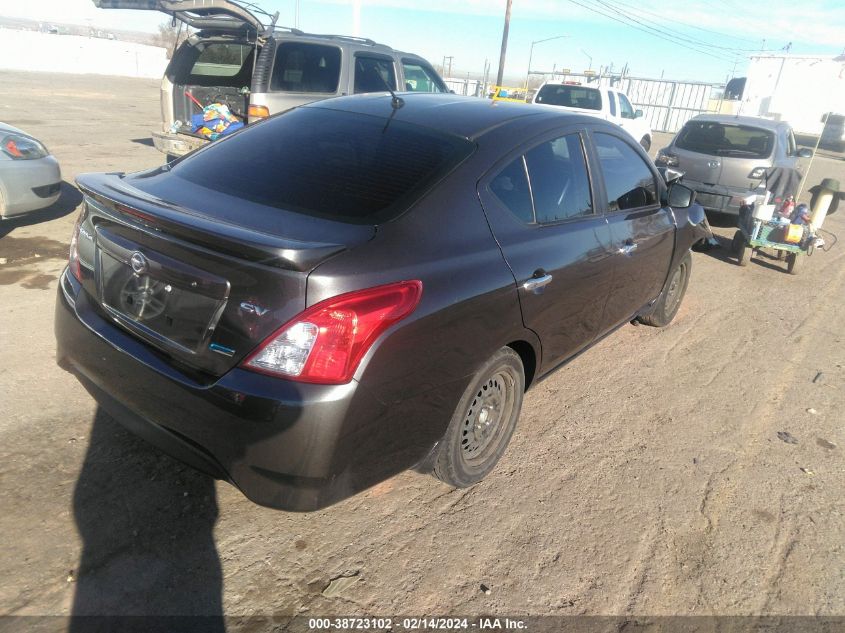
[
  {"x": 680, "y": 196},
  {"x": 805, "y": 153},
  {"x": 638, "y": 114}
]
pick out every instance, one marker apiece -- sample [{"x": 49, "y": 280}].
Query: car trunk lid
[{"x": 174, "y": 268}]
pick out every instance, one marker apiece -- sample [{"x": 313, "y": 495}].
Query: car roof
[
  {"x": 754, "y": 121},
  {"x": 284, "y": 33},
  {"x": 468, "y": 117}
]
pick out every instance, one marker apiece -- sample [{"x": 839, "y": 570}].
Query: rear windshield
[
  {"x": 339, "y": 165},
  {"x": 569, "y": 96},
  {"x": 221, "y": 60},
  {"x": 721, "y": 139}
]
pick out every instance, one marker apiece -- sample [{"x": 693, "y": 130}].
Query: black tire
[
  {"x": 673, "y": 294},
  {"x": 793, "y": 263},
  {"x": 737, "y": 242},
  {"x": 483, "y": 422},
  {"x": 646, "y": 143},
  {"x": 743, "y": 256}
]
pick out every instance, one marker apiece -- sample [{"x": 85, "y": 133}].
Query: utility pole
[
  {"x": 450, "y": 58},
  {"x": 504, "y": 44}
]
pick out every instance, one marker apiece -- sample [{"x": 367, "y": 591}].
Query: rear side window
[
  {"x": 569, "y": 96},
  {"x": 419, "y": 78},
  {"x": 612, "y": 102},
  {"x": 722, "y": 139},
  {"x": 221, "y": 60},
  {"x": 374, "y": 74},
  {"x": 510, "y": 186},
  {"x": 628, "y": 180},
  {"x": 557, "y": 172},
  {"x": 333, "y": 164},
  {"x": 302, "y": 67},
  {"x": 556, "y": 186}
]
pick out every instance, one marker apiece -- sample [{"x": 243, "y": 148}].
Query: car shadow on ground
[
  {"x": 146, "y": 523},
  {"x": 68, "y": 201}
]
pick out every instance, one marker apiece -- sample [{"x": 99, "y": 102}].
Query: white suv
[{"x": 607, "y": 103}]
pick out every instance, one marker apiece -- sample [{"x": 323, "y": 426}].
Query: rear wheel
[
  {"x": 793, "y": 263},
  {"x": 646, "y": 143},
  {"x": 483, "y": 422}
]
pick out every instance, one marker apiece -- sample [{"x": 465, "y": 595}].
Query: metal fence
[{"x": 666, "y": 104}]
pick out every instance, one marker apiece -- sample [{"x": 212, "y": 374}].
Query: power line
[
  {"x": 688, "y": 39},
  {"x": 673, "y": 39},
  {"x": 681, "y": 22}
]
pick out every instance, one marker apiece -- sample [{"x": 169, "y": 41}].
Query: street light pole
[
  {"x": 504, "y": 44},
  {"x": 531, "y": 55},
  {"x": 590, "y": 57}
]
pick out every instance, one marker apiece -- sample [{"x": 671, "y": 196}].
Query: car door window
[
  {"x": 560, "y": 185},
  {"x": 374, "y": 74},
  {"x": 510, "y": 186},
  {"x": 301, "y": 67},
  {"x": 612, "y": 102},
  {"x": 626, "y": 111},
  {"x": 628, "y": 180},
  {"x": 419, "y": 78}
]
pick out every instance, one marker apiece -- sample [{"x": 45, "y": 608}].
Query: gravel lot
[{"x": 649, "y": 476}]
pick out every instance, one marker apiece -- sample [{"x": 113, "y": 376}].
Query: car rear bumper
[
  {"x": 29, "y": 185},
  {"x": 176, "y": 144},
  {"x": 718, "y": 198},
  {"x": 286, "y": 445}
]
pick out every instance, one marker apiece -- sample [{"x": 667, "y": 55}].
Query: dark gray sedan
[{"x": 364, "y": 285}]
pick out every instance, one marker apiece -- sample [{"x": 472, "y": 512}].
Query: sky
[{"x": 705, "y": 40}]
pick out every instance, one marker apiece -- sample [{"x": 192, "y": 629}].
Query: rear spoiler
[{"x": 149, "y": 213}]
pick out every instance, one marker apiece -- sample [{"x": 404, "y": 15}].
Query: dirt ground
[{"x": 692, "y": 470}]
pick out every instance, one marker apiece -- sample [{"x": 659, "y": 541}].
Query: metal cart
[{"x": 756, "y": 234}]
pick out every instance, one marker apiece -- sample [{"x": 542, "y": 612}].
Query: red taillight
[
  {"x": 325, "y": 343},
  {"x": 73, "y": 259}
]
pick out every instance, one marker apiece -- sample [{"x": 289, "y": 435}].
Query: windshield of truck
[
  {"x": 317, "y": 161},
  {"x": 723, "y": 139},
  {"x": 569, "y": 96}
]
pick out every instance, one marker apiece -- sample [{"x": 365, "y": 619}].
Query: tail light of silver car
[
  {"x": 325, "y": 343},
  {"x": 666, "y": 159}
]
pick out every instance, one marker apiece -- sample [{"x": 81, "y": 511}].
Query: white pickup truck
[{"x": 606, "y": 103}]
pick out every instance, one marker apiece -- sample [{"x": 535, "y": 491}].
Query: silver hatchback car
[{"x": 725, "y": 157}]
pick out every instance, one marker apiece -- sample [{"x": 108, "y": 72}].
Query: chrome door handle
[
  {"x": 536, "y": 284},
  {"x": 627, "y": 249}
]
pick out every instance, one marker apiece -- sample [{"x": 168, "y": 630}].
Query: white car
[
  {"x": 30, "y": 178},
  {"x": 607, "y": 103}
]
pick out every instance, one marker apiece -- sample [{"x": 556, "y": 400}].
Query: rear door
[
  {"x": 217, "y": 15},
  {"x": 642, "y": 232},
  {"x": 539, "y": 201}
]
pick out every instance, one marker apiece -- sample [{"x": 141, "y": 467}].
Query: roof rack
[{"x": 349, "y": 38}]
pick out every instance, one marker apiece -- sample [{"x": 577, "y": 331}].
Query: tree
[{"x": 169, "y": 37}]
